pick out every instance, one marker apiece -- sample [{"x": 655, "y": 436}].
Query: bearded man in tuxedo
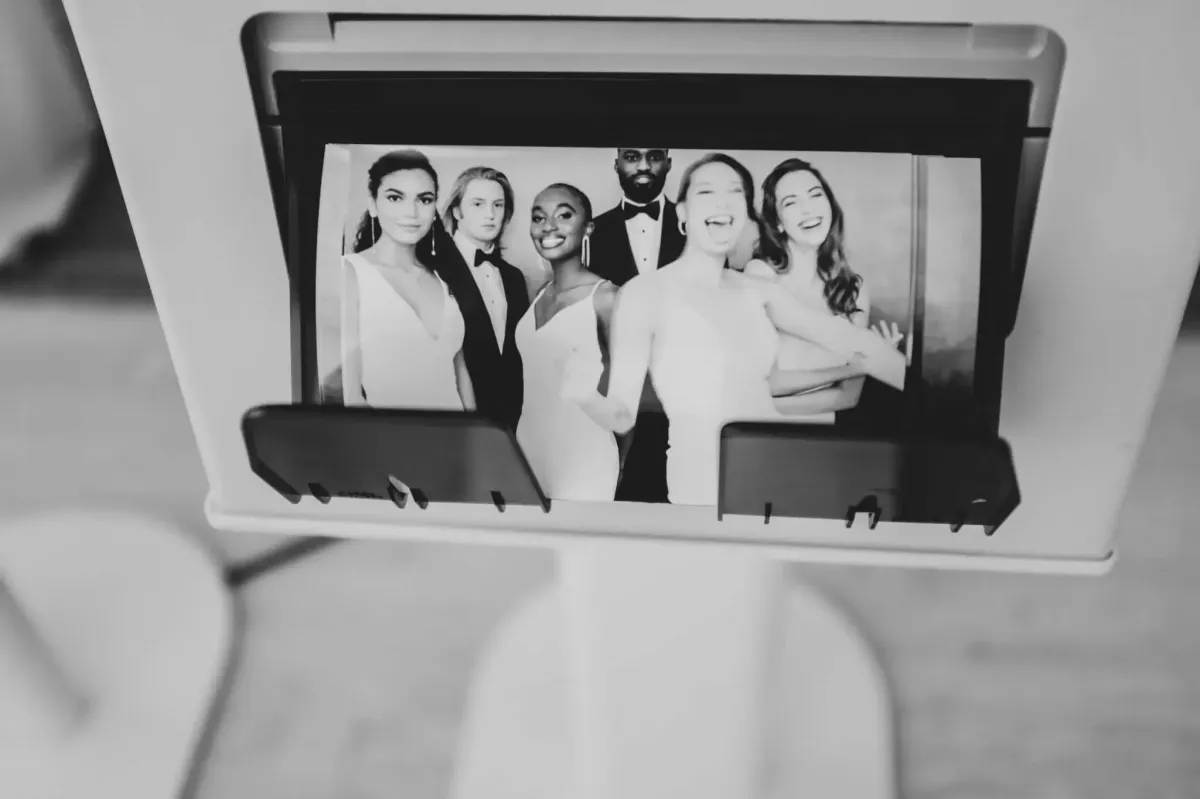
[{"x": 640, "y": 234}]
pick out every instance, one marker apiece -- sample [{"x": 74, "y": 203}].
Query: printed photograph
[{"x": 615, "y": 307}]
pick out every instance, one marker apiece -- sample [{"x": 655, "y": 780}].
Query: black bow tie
[
  {"x": 630, "y": 210},
  {"x": 492, "y": 257}
]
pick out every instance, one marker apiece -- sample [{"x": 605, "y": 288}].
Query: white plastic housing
[{"x": 1114, "y": 247}]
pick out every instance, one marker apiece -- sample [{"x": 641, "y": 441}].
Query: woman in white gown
[
  {"x": 402, "y": 331},
  {"x": 708, "y": 335},
  {"x": 572, "y": 456},
  {"x": 801, "y": 249}
]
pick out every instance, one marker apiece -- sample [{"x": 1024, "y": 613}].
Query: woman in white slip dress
[
  {"x": 801, "y": 249},
  {"x": 572, "y": 456},
  {"x": 402, "y": 331},
  {"x": 708, "y": 335}
]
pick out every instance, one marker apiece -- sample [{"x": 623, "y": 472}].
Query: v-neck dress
[
  {"x": 713, "y": 350},
  {"x": 573, "y": 457},
  {"x": 403, "y": 366}
]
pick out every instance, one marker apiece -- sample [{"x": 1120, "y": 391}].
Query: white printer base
[{"x": 585, "y": 702}]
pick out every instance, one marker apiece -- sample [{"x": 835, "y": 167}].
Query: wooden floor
[{"x": 354, "y": 660}]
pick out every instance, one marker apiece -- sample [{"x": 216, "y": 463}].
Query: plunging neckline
[
  {"x": 537, "y": 328},
  {"x": 435, "y": 337}
]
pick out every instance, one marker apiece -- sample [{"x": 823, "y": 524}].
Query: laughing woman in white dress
[
  {"x": 402, "y": 331},
  {"x": 573, "y": 457},
  {"x": 707, "y": 335},
  {"x": 801, "y": 249}
]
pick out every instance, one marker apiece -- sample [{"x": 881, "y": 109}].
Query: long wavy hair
[
  {"x": 841, "y": 282},
  {"x": 747, "y": 180},
  {"x": 368, "y": 227}
]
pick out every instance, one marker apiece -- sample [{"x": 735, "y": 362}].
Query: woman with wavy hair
[
  {"x": 800, "y": 249},
  {"x": 402, "y": 330}
]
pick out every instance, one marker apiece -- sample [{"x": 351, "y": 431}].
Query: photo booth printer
[{"x": 986, "y": 146}]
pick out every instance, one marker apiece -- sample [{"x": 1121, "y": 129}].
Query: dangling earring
[
  {"x": 432, "y": 243},
  {"x": 587, "y": 250}
]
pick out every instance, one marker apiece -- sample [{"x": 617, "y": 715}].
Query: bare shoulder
[
  {"x": 757, "y": 282},
  {"x": 606, "y": 295},
  {"x": 760, "y": 269},
  {"x": 643, "y": 285},
  {"x": 641, "y": 292}
]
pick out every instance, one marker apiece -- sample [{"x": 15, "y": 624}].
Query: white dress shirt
[
  {"x": 645, "y": 235},
  {"x": 491, "y": 285}
]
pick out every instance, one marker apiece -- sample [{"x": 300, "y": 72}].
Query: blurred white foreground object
[
  {"x": 47, "y": 121},
  {"x": 701, "y": 674},
  {"x": 115, "y": 636}
]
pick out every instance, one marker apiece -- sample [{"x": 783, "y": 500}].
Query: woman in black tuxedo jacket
[{"x": 490, "y": 291}]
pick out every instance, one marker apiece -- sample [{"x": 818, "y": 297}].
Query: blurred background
[{"x": 353, "y": 657}]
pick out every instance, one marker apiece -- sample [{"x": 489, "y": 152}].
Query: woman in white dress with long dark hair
[
  {"x": 801, "y": 247},
  {"x": 402, "y": 331},
  {"x": 707, "y": 335},
  {"x": 573, "y": 457}
]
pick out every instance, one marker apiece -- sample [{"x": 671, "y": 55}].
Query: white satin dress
[
  {"x": 403, "y": 366},
  {"x": 713, "y": 351},
  {"x": 573, "y": 457}
]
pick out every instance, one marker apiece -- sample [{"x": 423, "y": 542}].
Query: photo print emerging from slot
[{"x": 615, "y": 307}]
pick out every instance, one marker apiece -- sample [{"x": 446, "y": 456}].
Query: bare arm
[
  {"x": 838, "y": 397},
  {"x": 466, "y": 389},
  {"x": 838, "y": 335},
  {"x": 352, "y": 389},
  {"x": 850, "y": 391},
  {"x": 605, "y": 300},
  {"x": 817, "y": 385},
  {"x": 789, "y": 382},
  {"x": 825, "y": 400},
  {"x": 630, "y": 339}
]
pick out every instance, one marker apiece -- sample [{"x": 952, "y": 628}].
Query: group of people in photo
[{"x": 618, "y": 373}]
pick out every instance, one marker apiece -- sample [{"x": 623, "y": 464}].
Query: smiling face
[
  {"x": 557, "y": 224},
  {"x": 716, "y": 208},
  {"x": 642, "y": 172},
  {"x": 480, "y": 215},
  {"x": 405, "y": 205},
  {"x": 805, "y": 213}
]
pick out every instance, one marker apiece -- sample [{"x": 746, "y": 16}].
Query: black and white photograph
[{"x": 616, "y": 307}]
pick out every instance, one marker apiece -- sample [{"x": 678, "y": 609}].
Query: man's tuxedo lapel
[
  {"x": 616, "y": 248},
  {"x": 470, "y": 301},
  {"x": 670, "y": 245}
]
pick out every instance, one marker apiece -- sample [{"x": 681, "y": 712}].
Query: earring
[
  {"x": 682, "y": 227},
  {"x": 587, "y": 251},
  {"x": 433, "y": 244}
]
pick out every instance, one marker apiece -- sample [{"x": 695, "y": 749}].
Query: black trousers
[{"x": 644, "y": 476}]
